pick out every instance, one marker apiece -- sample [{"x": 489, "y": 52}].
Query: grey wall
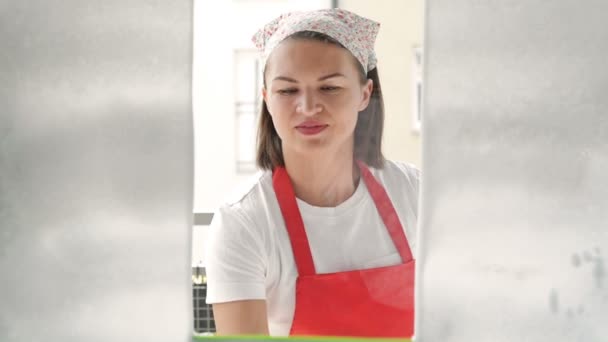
[
  {"x": 514, "y": 211},
  {"x": 95, "y": 170}
]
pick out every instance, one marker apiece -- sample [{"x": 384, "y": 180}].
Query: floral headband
[{"x": 356, "y": 33}]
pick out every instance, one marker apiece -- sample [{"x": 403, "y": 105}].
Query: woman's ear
[{"x": 367, "y": 93}]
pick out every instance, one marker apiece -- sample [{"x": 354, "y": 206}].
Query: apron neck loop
[{"x": 295, "y": 225}]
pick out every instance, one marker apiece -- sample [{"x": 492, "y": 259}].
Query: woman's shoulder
[
  {"x": 400, "y": 170},
  {"x": 247, "y": 194}
]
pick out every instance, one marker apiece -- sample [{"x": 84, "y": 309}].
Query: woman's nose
[{"x": 308, "y": 104}]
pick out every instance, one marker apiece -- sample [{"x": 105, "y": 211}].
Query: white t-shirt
[{"x": 249, "y": 255}]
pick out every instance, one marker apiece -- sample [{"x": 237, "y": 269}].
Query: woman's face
[{"x": 313, "y": 92}]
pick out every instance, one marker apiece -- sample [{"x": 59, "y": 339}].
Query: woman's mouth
[{"x": 311, "y": 129}]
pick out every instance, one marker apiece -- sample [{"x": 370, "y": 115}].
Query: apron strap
[
  {"x": 295, "y": 225},
  {"x": 293, "y": 221},
  {"x": 387, "y": 212}
]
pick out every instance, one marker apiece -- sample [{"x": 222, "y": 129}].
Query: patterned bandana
[{"x": 356, "y": 33}]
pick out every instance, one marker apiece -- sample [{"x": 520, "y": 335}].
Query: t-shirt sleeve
[
  {"x": 234, "y": 258},
  {"x": 412, "y": 175}
]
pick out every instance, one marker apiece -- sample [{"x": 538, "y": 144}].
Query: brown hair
[{"x": 368, "y": 131}]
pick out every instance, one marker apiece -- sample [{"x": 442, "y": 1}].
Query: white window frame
[
  {"x": 416, "y": 88},
  {"x": 246, "y": 108}
]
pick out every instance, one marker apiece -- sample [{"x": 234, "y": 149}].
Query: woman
[{"x": 320, "y": 243}]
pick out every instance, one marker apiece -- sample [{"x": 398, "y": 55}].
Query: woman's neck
[{"x": 322, "y": 180}]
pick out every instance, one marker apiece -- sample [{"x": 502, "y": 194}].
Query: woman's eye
[
  {"x": 330, "y": 88},
  {"x": 287, "y": 91}
]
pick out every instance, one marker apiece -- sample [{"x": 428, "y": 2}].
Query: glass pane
[
  {"x": 246, "y": 77},
  {"x": 246, "y": 132},
  {"x": 515, "y": 196}
]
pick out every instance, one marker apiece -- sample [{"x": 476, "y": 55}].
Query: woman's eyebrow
[
  {"x": 335, "y": 74},
  {"x": 283, "y": 78},
  {"x": 291, "y": 80}
]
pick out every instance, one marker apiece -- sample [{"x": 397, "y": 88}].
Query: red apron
[{"x": 376, "y": 302}]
